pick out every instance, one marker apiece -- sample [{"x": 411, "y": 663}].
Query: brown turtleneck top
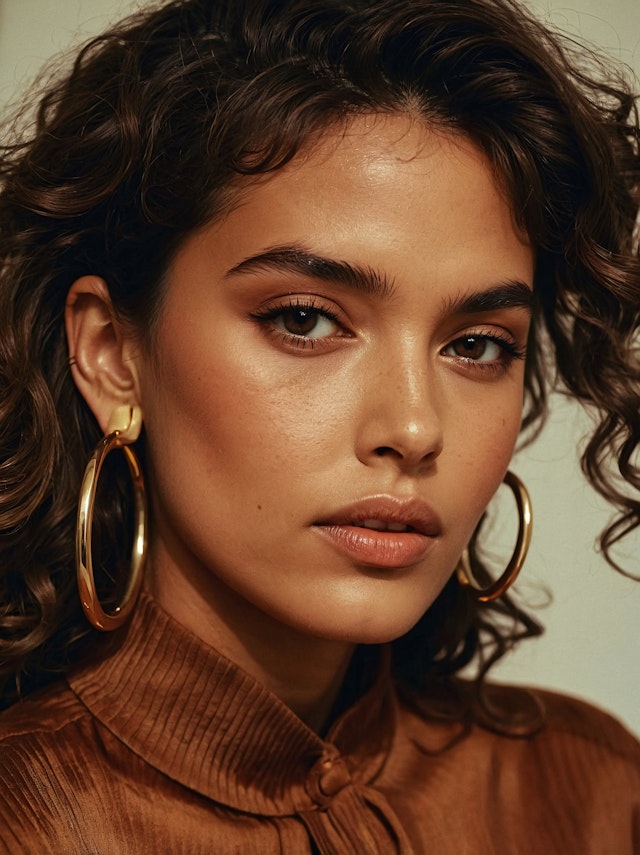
[{"x": 167, "y": 747}]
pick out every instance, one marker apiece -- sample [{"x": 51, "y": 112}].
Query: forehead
[
  {"x": 377, "y": 142},
  {"x": 389, "y": 194},
  {"x": 384, "y": 163}
]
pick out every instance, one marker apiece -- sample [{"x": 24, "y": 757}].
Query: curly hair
[{"x": 152, "y": 133}]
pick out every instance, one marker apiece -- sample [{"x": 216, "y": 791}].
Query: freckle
[{"x": 259, "y": 507}]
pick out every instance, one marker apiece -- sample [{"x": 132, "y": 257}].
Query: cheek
[
  {"x": 228, "y": 408},
  {"x": 482, "y": 443}
]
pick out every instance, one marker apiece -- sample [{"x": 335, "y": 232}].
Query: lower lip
[{"x": 377, "y": 548}]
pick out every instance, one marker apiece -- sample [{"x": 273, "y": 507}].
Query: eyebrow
[
  {"x": 295, "y": 259},
  {"x": 366, "y": 280},
  {"x": 509, "y": 295}
]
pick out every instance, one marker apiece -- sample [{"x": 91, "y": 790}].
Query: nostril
[{"x": 382, "y": 450}]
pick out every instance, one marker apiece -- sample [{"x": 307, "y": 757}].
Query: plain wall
[{"x": 591, "y": 644}]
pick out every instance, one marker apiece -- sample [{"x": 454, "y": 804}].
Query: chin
[{"x": 371, "y": 628}]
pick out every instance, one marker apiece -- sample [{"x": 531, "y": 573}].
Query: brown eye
[
  {"x": 306, "y": 322},
  {"x": 299, "y": 320},
  {"x": 478, "y": 348}
]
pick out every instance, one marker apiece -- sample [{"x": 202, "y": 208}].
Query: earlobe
[{"x": 99, "y": 349}]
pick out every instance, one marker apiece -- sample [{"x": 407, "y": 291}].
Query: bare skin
[{"x": 332, "y": 397}]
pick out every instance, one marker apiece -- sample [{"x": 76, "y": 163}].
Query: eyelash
[
  {"x": 268, "y": 315},
  {"x": 510, "y": 351}
]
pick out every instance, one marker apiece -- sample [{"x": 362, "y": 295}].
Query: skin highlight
[{"x": 257, "y": 434}]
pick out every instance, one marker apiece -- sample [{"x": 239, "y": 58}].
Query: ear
[{"x": 103, "y": 364}]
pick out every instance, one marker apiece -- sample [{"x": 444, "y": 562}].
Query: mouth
[
  {"x": 383, "y": 525},
  {"x": 382, "y": 531}
]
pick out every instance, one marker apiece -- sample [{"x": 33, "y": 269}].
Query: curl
[{"x": 158, "y": 127}]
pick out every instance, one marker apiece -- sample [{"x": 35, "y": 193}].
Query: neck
[{"x": 305, "y": 672}]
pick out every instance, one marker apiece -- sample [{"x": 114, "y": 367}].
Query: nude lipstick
[{"x": 382, "y": 531}]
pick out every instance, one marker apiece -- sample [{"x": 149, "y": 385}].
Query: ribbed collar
[{"x": 198, "y": 718}]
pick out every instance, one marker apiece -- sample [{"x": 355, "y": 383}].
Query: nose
[{"x": 401, "y": 415}]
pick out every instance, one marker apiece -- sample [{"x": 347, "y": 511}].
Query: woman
[{"x": 289, "y": 272}]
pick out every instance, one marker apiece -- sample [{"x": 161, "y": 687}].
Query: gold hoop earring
[
  {"x": 124, "y": 428},
  {"x": 464, "y": 571}
]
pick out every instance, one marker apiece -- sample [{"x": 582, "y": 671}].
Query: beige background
[{"x": 592, "y": 639}]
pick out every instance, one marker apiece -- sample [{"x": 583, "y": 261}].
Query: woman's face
[{"x": 336, "y": 383}]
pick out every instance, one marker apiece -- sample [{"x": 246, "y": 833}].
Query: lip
[{"x": 344, "y": 530}]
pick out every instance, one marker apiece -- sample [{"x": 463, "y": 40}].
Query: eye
[
  {"x": 484, "y": 350},
  {"x": 306, "y": 321},
  {"x": 479, "y": 348},
  {"x": 302, "y": 322}
]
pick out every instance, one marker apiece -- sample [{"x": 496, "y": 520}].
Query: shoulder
[
  {"x": 547, "y": 772},
  {"x": 539, "y": 771},
  {"x": 44, "y": 712},
  {"x": 568, "y": 719},
  {"x": 41, "y": 728},
  {"x": 541, "y": 734},
  {"x": 43, "y": 750},
  {"x": 584, "y": 752}
]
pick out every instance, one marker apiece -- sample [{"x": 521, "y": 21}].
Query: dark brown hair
[{"x": 149, "y": 136}]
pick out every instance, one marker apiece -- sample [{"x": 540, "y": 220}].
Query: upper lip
[{"x": 413, "y": 512}]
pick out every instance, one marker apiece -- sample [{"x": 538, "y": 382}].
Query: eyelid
[
  {"x": 280, "y": 305},
  {"x": 511, "y": 350},
  {"x": 275, "y": 307},
  {"x": 496, "y": 333}
]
